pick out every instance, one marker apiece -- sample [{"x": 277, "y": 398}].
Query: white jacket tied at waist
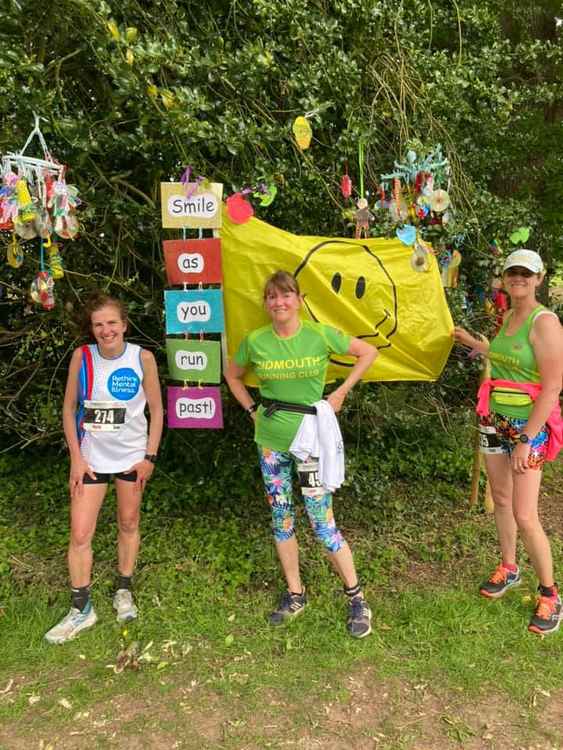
[{"x": 319, "y": 436}]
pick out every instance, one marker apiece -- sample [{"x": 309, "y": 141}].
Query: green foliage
[{"x": 138, "y": 90}]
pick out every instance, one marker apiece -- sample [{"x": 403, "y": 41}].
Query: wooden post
[{"x": 478, "y": 463}]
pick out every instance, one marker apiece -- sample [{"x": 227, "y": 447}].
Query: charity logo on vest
[{"x": 124, "y": 383}]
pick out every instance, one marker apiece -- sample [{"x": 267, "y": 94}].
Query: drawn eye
[
  {"x": 360, "y": 287},
  {"x": 336, "y": 282}
]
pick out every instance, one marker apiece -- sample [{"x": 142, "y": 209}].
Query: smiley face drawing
[{"x": 351, "y": 289}]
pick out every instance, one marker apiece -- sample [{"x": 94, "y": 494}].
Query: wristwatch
[
  {"x": 523, "y": 438},
  {"x": 251, "y": 409},
  {"x": 151, "y": 457}
]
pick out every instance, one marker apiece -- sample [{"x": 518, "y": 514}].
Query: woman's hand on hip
[
  {"x": 336, "y": 399},
  {"x": 78, "y": 468},
  {"x": 144, "y": 471},
  {"x": 519, "y": 458},
  {"x": 461, "y": 336}
]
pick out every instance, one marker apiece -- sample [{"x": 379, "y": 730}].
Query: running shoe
[
  {"x": 359, "y": 618},
  {"x": 499, "y": 582},
  {"x": 124, "y": 606},
  {"x": 290, "y": 606},
  {"x": 547, "y": 616},
  {"x": 71, "y": 624}
]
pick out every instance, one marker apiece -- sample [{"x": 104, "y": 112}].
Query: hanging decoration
[
  {"x": 416, "y": 205},
  {"x": 239, "y": 208},
  {"x": 302, "y": 132},
  {"x": 346, "y": 185},
  {"x": 363, "y": 218},
  {"x": 36, "y": 202}
]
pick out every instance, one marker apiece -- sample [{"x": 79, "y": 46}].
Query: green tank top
[{"x": 512, "y": 358}]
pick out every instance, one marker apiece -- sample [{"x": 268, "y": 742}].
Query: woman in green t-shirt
[
  {"x": 527, "y": 350},
  {"x": 289, "y": 357}
]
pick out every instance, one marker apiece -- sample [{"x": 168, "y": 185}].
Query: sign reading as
[
  {"x": 193, "y": 261},
  {"x": 194, "y": 408},
  {"x": 191, "y": 205},
  {"x": 194, "y": 360}
]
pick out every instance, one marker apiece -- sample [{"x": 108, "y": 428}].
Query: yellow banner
[{"x": 366, "y": 288}]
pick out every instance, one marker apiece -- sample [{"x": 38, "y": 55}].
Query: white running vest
[{"x": 115, "y": 435}]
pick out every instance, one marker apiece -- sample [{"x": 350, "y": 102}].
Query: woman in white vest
[{"x": 109, "y": 384}]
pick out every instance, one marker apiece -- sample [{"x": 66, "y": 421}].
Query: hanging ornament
[
  {"x": 407, "y": 234},
  {"x": 419, "y": 259},
  {"x": 450, "y": 271},
  {"x": 439, "y": 201},
  {"x": 302, "y": 132},
  {"x": 14, "y": 253},
  {"x": 346, "y": 186},
  {"x": 265, "y": 194},
  {"x": 239, "y": 209},
  {"x": 41, "y": 291},
  {"x": 55, "y": 261},
  {"x": 363, "y": 218},
  {"x": 520, "y": 236}
]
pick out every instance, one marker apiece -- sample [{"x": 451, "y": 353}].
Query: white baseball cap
[{"x": 526, "y": 259}]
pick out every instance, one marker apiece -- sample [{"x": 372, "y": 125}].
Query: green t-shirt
[
  {"x": 289, "y": 369},
  {"x": 512, "y": 358}
]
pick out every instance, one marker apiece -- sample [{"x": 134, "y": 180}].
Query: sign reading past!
[
  {"x": 189, "y": 205},
  {"x": 194, "y": 408},
  {"x": 193, "y": 261}
]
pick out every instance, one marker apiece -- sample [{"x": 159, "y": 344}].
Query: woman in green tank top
[{"x": 528, "y": 350}]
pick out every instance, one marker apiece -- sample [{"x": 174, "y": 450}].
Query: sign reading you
[
  {"x": 189, "y": 205},
  {"x": 194, "y": 408},
  {"x": 193, "y": 261},
  {"x": 194, "y": 311}
]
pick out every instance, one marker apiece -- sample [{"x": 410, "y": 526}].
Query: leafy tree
[{"x": 130, "y": 92}]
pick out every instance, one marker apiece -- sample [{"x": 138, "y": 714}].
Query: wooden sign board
[
  {"x": 193, "y": 261},
  {"x": 194, "y": 311},
  {"x": 194, "y": 408},
  {"x": 191, "y": 205},
  {"x": 193, "y": 360}
]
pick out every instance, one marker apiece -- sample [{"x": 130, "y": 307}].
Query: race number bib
[
  {"x": 308, "y": 474},
  {"x": 104, "y": 416},
  {"x": 489, "y": 441}
]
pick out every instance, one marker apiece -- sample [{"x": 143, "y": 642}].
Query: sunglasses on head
[{"x": 519, "y": 271}]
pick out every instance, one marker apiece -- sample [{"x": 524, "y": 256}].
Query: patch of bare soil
[{"x": 363, "y": 712}]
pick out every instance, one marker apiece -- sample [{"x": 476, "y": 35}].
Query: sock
[
  {"x": 510, "y": 566},
  {"x": 353, "y": 591},
  {"x": 80, "y": 597},
  {"x": 548, "y": 591},
  {"x": 124, "y": 582}
]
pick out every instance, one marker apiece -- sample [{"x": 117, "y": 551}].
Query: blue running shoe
[
  {"x": 72, "y": 624},
  {"x": 290, "y": 606}
]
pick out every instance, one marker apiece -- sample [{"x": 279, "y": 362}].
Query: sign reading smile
[{"x": 191, "y": 205}]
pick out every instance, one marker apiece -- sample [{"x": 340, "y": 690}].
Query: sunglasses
[{"x": 519, "y": 271}]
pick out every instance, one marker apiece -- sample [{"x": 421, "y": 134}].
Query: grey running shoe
[
  {"x": 290, "y": 606},
  {"x": 547, "y": 616},
  {"x": 124, "y": 606},
  {"x": 499, "y": 582},
  {"x": 359, "y": 618},
  {"x": 71, "y": 624}
]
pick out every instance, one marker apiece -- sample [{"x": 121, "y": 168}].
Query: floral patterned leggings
[{"x": 277, "y": 473}]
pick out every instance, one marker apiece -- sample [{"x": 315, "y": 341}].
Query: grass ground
[{"x": 202, "y": 669}]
